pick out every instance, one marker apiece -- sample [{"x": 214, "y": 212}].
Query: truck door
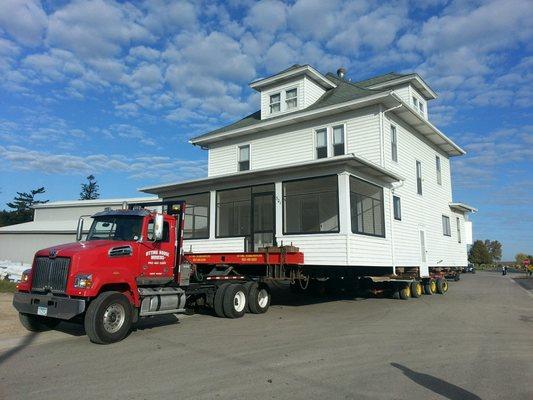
[{"x": 157, "y": 258}]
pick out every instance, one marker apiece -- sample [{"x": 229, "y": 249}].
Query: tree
[
  {"x": 22, "y": 207},
  {"x": 479, "y": 254},
  {"x": 520, "y": 257},
  {"x": 495, "y": 249},
  {"x": 89, "y": 190}
]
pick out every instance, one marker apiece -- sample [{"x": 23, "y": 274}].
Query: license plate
[{"x": 42, "y": 311}]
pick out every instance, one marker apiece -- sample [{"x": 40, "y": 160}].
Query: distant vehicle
[{"x": 470, "y": 268}]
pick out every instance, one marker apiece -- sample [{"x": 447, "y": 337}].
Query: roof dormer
[{"x": 290, "y": 90}]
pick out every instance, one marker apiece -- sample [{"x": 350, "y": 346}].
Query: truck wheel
[
  {"x": 405, "y": 292},
  {"x": 430, "y": 287},
  {"x": 259, "y": 299},
  {"x": 218, "y": 301},
  {"x": 36, "y": 323},
  {"x": 249, "y": 286},
  {"x": 108, "y": 318},
  {"x": 457, "y": 277},
  {"x": 234, "y": 302},
  {"x": 442, "y": 286},
  {"x": 416, "y": 289}
]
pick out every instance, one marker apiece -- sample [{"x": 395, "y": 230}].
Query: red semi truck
[{"x": 131, "y": 265}]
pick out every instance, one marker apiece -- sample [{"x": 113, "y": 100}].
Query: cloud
[
  {"x": 24, "y": 159},
  {"x": 24, "y": 20},
  {"x": 268, "y": 16}
]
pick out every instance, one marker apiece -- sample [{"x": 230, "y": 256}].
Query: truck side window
[{"x": 150, "y": 233}]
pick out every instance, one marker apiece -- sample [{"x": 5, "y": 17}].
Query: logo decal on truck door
[{"x": 157, "y": 257}]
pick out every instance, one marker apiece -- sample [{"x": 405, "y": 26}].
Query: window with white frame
[
  {"x": 244, "y": 157},
  {"x": 366, "y": 207},
  {"x": 421, "y": 107},
  {"x": 446, "y": 229},
  {"x": 394, "y": 143},
  {"x": 415, "y": 103},
  {"x": 397, "y": 205},
  {"x": 458, "y": 222},
  {"x": 438, "y": 168},
  {"x": 321, "y": 143},
  {"x": 275, "y": 103},
  {"x": 419, "y": 177},
  {"x": 338, "y": 140},
  {"x": 291, "y": 98}
]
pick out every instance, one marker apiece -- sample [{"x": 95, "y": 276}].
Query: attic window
[
  {"x": 275, "y": 103},
  {"x": 291, "y": 98},
  {"x": 415, "y": 102}
]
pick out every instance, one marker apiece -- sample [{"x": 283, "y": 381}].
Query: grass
[{"x": 7, "y": 287}]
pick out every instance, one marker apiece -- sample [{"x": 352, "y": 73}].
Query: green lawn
[{"x": 7, "y": 287}]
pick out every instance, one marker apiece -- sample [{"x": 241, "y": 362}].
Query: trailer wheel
[
  {"x": 234, "y": 303},
  {"x": 442, "y": 286},
  {"x": 36, "y": 323},
  {"x": 249, "y": 286},
  {"x": 259, "y": 299},
  {"x": 416, "y": 289},
  {"x": 108, "y": 318},
  {"x": 405, "y": 292},
  {"x": 430, "y": 287},
  {"x": 218, "y": 301}
]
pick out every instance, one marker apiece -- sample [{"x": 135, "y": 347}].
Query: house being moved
[{"x": 352, "y": 173}]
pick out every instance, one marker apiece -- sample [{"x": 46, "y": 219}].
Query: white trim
[
  {"x": 307, "y": 69},
  {"x": 409, "y": 78},
  {"x": 462, "y": 207}
]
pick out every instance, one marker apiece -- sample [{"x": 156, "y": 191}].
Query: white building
[{"x": 352, "y": 173}]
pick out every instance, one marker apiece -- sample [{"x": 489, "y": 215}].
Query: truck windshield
[{"x": 115, "y": 228}]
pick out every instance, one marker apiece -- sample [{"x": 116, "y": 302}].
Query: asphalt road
[{"x": 476, "y": 342}]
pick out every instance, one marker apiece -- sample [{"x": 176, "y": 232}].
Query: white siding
[
  {"x": 296, "y": 143},
  {"x": 21, "y": 247},
  {"x": 422, "y": 211},
  {"x": 404, "y": 93},
  {"x": 311, "y": 92},
  {"x": 221, "y": 245}
]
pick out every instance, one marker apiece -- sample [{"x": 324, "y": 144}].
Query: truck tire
[
  {"x": 36, "y": 323},
  {"x": 108, "y": 318},
  {"x": 457, "y": 277},
  {"x": 259, "y": 299},
  {"x": 405, "y": 292},
  {"x": 416, "y": 289},
  {"x": 234, "y": 302},
  {"x": 430, "y": 287},
  {"x": 218, "y": 301},
  {"x": 249, "y": 286},
  {"x": 442, "y": 286}
]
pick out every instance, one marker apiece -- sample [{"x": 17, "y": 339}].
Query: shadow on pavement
[
  {"x": 30, "y": 337},
  {"x": 154, "y": 322},
  {"x": 436, "y": 385}
]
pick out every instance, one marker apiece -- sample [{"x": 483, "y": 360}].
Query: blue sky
[{"x": 116, "y": 89}]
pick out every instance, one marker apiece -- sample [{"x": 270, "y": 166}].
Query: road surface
[{"x": 476, "y": 342}]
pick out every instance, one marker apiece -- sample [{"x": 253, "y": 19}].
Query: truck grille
[{"x": 50, "y": 274}]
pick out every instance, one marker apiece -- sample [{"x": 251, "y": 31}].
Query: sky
[{"x": 116, "y": 88}]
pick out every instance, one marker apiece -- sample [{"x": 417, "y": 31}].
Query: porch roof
[
  {"x": 462, "y": 207},
  {"x": 350, "y": 160}
]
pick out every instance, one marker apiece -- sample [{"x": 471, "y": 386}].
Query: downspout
[{"x": 391, "y": 208}]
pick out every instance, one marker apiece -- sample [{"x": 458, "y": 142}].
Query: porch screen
[
  {"x": 366, "y": 206},
  {"x": 196, "y": 225},
  {"x": 233, "y": 212},
  {"x": 311, "y": 205}
]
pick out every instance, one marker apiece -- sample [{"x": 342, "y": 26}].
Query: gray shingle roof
[{"x": 345, "y": 91}]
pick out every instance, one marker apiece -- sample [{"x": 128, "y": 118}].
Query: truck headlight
[
  {"x": 83, "y": 281},
  {"x": 25, "y": 277}
]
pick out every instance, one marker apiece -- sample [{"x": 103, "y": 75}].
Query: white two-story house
[{"x": 352, "y": 173}]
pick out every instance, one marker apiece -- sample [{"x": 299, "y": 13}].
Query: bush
[{"x": 7, "y": 287}]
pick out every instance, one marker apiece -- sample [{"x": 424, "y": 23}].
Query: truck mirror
[
  {"x": 158, "y": 227},
  {"x": 79, "y": 229}
]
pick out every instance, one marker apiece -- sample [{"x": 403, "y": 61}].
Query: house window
[
  {"x": 397, "y": 208},
  {"x": 321, "y": 143},
  {"x": 311, "y": 205},
  {"x": 415, "y": 102},
  {"x": 291, "y": 98},
  {"x": 233, "y": 212},
  {"x": 366, "y": 205},
  {"x": 338, "y": 140},
  {"x": 275, "y": 103},
  {"x": 419, "y": 177},
  {"x": 439, "y": 173},
  {"x": 421, "y": 107},
  {"x": 458, "y": 221},
  {"x": 196, "y": 224},
  {"x": 244, "y": 158},
  {"x": 446, "y": 230},
  {"x": 394, "y": 143}
]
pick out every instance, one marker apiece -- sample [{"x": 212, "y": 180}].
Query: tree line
[
  {"x": 20, "y": 209},
  {"x": 490, "y": 252}
]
